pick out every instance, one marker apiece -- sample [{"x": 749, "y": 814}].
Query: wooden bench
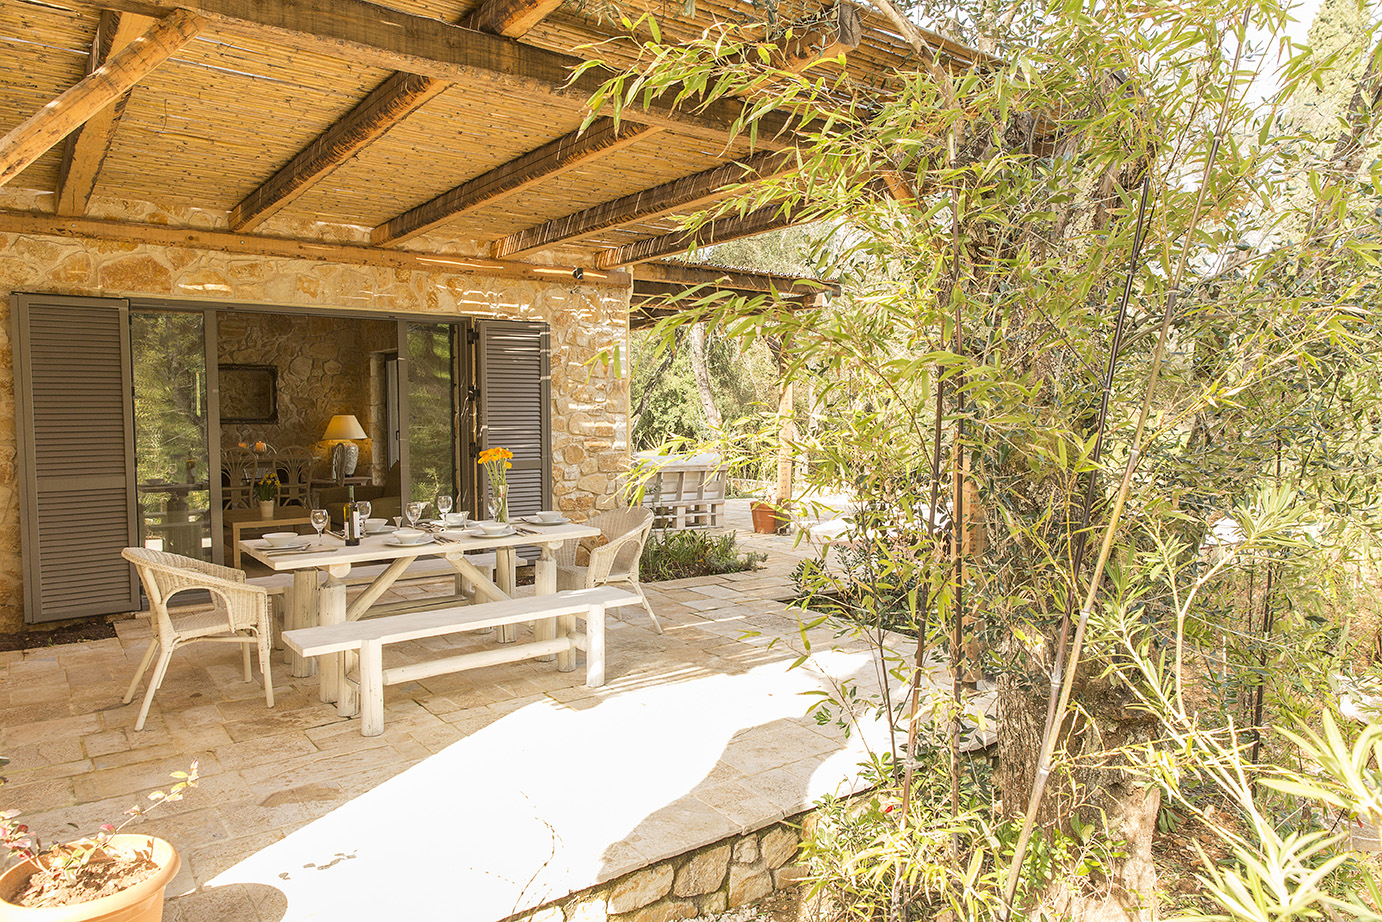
[
  {"x": 280, "y": 585},
  {"x": 556, "y": 616}
]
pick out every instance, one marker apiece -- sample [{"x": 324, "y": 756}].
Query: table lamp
[{"x": 343, "y": 430}]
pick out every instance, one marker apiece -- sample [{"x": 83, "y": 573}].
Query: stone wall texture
[
  {"x": 589, "y": 401},
  {"x": 324, "y": 368},
  {"x": 723, "y": 875}
]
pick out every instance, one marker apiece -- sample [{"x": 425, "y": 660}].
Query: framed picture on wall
[{"x": 249, "y": 393}]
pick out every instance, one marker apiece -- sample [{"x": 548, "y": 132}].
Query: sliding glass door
[
  {"x": 172, "y": 465},
  {"x": 432, "y": 411}
]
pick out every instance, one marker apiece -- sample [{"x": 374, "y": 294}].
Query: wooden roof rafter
[
  {"x": 720, "y": 230},
  {"x": 654, "y": 282},
  {"x": 601, "y": 138},
  {"x": 386, "y": 106},
  {"x": 677, "y": 195}
]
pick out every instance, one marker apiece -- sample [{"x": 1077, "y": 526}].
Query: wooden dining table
[{"x": 319, "y": 589}]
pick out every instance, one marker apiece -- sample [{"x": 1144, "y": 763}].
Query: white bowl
[
  {"x": 493, "y": 528},
  {"x": 281, "y": 538},
  {"x": 548, "y": 516},
  {"x": 375, "y": 523},
  {"x": 457, "y": 518},
  {"x": 409, "y": 535}
]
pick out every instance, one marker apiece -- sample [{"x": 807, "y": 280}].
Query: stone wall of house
[
  {"x": 589, "y": 402},
  {"x": 720, "y": 876}
]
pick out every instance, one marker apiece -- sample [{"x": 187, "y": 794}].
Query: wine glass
[
  {"x": 365, "y": 509},
  {"x": 443, "y": 506},
  {"x": 414, "y": 512},
  {"x": 320, "y": 519}
]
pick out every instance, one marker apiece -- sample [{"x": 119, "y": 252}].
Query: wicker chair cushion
[{"x": 587, "y": 545}]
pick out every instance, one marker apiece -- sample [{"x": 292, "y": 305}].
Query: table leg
[
  {"x": 505, "y": 576},
  {"x": 301, "y": 611},
  {"x": 545, "y": 580},
  {"x": 331, "y": 610}
]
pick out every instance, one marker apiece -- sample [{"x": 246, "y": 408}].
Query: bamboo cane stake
[{"x": 1120, "y": 498}]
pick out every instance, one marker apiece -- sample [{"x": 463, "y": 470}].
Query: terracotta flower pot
[
  {"x": 142, "y": 902},
  {"x": 767, "y": 520}
]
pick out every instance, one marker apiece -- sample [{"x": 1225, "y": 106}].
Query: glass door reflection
[{"x": 168, "y": 355}]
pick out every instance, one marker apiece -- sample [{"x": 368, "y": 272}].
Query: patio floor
[{"x": 488, "y": 793}]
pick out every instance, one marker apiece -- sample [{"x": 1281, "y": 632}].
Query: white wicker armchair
[
  {"x": 626, "y": 530},
  {"x": 239, "y": 613}
]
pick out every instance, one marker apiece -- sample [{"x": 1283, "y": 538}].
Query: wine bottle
[{"x": 353, "y": 525}]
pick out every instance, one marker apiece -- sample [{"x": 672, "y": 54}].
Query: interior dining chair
[
  {"x": 616, "y": 561},
  {"x": 238, "y": 613},
  {"x": 294, "y": 468}
]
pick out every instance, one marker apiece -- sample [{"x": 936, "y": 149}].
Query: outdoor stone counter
[
  {"x": 589, "y": 402},
  {"x": 720, "y": 876}
]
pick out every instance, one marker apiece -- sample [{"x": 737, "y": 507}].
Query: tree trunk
[
  {"x": 702, "y": 375},
  {"x": 1099, "y": 781},
  {"x": 786, "y": 422}
]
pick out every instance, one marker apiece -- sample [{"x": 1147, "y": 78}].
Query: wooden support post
[
  {"x": 786, "y": 423},
  {"x": 102, "y": 87}
]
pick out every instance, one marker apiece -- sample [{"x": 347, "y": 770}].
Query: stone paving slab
[{"x": 488, "y": 793}]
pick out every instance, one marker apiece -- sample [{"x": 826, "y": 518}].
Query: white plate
[
  {"x": 381, "y": 530},
  {"x": 534, "y": 520},
  {"x": 394, "y": 542},
  {"x": 477, "y": 533}
]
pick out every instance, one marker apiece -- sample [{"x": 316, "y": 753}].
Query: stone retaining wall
[{"x": 711, "y": 879}]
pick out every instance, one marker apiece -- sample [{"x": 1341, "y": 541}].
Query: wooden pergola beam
[
  {"x": 651, "y": 274},
  {"x": 511, "y": 18},
  {"x": 551, "y": 159},
  {"x": 86, "y": 148},
  {"x": 679, "y": 194},
  {"x": 94, "y": 92},
  {"x": 385, "y": 107},
  {"x": 380, "y": 36},
  {"x": 838, "y": 37},
  {"x": 721, "y": 230},
  {"x": 163, "y": 235}
]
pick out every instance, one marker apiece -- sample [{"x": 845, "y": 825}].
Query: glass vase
[{"x": 499, "y": 502}]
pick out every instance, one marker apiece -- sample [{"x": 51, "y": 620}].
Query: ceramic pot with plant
[
  {"x": 266, "y": 491},
  {"x": 106, "y": 877}
]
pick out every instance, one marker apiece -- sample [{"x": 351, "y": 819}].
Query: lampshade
[{"x": 343, "y": 427}]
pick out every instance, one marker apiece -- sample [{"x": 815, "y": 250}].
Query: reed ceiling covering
[{"x": 421, "y": 124}]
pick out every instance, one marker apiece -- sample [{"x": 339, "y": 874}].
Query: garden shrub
[{"x": 680, "y": 554}]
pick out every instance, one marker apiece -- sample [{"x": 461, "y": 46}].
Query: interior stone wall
[
  {"x": 589, "y": 401},
  {"x": 324, "y": 368}
]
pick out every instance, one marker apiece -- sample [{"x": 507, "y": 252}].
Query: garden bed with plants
[{"x": 684, "y": 554}]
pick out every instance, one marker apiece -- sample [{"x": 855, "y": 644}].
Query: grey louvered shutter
[
  {"x": 76, "y": 452},
  {"x": 515, "y": 410}
]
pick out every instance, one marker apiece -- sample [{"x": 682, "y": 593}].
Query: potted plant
[
  {"x": 266, "y": 491},
  {"x": 768, "y": 519},
  {"x": 107, "y": 876}
]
